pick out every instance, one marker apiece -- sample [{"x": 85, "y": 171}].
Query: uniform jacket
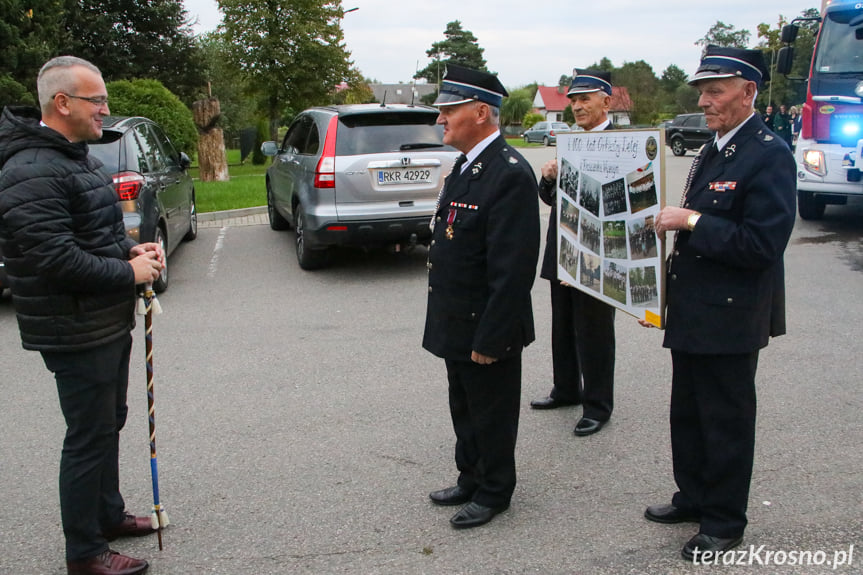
[
  {"x": 548, "y": 194},
  {"x": 63, "y": 239},
  {"x": 481, "y": 275},
  {"x": 725, "y": 288}
]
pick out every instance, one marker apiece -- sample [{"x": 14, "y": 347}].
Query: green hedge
[{"x": 149, "y": 98}]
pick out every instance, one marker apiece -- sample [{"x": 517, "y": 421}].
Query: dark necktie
[{"x": 456, "y": 170}]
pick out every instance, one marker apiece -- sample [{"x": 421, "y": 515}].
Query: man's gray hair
[
  {"x": 57, "y": 76},
  {"x": 494, "y": 115}
]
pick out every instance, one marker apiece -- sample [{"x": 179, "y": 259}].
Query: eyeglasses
[{"x": 99, "y": 101}]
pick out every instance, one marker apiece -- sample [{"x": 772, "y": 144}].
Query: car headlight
[{"x": 813, "y": 160}]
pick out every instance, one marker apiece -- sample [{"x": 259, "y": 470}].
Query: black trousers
[
  {"x": 484, "y": 405},
  {"x": 582, "y": 350},
  {"x": 713, "y": 437},
  {"x": 92, "y": 388}
]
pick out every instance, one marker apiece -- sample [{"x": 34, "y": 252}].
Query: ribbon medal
[{"x": 449, "y": 220}]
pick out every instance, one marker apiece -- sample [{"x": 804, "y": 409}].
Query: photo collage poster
[{"x": 610, "y": 188}]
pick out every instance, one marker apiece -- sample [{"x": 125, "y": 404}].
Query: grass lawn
[{"x": 245, "y": 189}]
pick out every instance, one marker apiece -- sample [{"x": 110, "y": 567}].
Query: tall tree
[
  {"x": 130, "y": 39},
  {"x": 460, "y": 47},
  {"x": 643, "y": 87},
  {"x": 237, "y": 100},
  {"x": 30, "y": 33},
  {"x": 515, "y": 106},
  {"x": 791, "y": 89},
  {"x": 722, "y": 34},
  {"x": 290, "y": 50}
]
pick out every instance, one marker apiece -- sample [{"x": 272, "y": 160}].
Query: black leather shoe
[
  {"x": 696, "y": 547},
  {"x": 670, "y": 514},
  {"x": 551, "y": 403},
  {"x": 454, "y": 495},
  {"x": 587, "y": 426},
  {"x": 473, "y": 515}
]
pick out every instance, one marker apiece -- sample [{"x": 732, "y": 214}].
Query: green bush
[
  {"x": 530, "y": 119},
  {"x": 149, "y": 98},
  {"x": 12, "y": 93}
]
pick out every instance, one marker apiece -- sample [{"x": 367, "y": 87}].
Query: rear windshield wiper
[{"x": 420, "y": 145}]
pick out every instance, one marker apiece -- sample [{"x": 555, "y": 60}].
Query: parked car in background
[
  {"x": 545, "y": 132},
  {"x": 359, "y": 175},
  {"x": 150, "y": 177},
  {"x": 687, "y": 132}
]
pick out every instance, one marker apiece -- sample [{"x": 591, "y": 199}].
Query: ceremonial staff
[{"x": 159, "y": 517}]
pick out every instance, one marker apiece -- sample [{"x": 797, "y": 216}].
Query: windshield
[
  {"x": 388, "y": 132},
  {"x": 840, "y": 46}
]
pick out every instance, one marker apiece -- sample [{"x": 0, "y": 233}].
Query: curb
[{"x": 225, "y": 214}]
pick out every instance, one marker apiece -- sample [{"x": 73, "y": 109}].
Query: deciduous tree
[{"x": 722, "y": 34}]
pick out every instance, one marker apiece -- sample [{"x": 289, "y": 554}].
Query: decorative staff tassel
[{"x": 158, "y": 518}]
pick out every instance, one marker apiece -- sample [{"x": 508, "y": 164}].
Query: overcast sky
[{"x": 527, "y": 41}]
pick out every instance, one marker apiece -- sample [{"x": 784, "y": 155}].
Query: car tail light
[
  {"x": 551, "y": 132},
  {"x": 128, "y": 185},
  {"x": 325, "y": 173}
]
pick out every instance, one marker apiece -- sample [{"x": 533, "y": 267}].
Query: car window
[
  {"x": 313, "y": 143},
  {"x": 388, "y": 132},
  {"x": 169, "y": 153},
  {"x": 691, "y": 122},
  {"x": 561, "y": 126},
  {"x": 702, "y": 121},
  {"x": 152, "y": 160},
  {"x": 298, "y": 133},
  {"x": 107, "y": 152}
]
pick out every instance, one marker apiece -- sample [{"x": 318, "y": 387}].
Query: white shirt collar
[
  {"x": 602, "y": 126},
  {"x": 474, "y": 152},
  {"x": 720, "y": 142}
]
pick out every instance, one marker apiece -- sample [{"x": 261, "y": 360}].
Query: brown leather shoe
[
  {"x": 107, "y": 563},
  {"x": 131, "y": 526}
]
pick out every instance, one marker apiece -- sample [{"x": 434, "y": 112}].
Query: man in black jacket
[
  {"x": 582, "y": 327},
  {"x": 72, "y": 272},
  {"x": 482, "y": 263},
  {"x": 725, "y": 297}
]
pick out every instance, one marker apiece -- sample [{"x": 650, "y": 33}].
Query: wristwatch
[{"x": 692, "y": 220}]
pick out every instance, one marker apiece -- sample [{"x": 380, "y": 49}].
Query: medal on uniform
[{"x": 449, "y": 220}]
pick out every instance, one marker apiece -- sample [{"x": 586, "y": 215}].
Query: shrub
[
  {"x": 149, "y": 98},
  {"x": 530, "y": 119}
]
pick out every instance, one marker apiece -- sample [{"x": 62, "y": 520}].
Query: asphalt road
[{"x": 300, "y": 426}]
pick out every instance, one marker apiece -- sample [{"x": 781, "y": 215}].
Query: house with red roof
[{"x": 550, "y": 101}]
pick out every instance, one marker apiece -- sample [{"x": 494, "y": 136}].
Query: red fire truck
[{"x": 829, "y": 149}]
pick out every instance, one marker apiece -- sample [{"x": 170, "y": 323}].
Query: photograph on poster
[
  {"x": 568, "y": 255},
  {"x": 569, "y": 215},
  {"x": 590, "y": 232},
  {"x": 613, "y": 198},
  {"x": 614, "y": 239},
  {"x": 614, "y": 281},
  {"x": 588, "y": 194},
  {"x": 642, "y": 287},
  {"x": 642, "y": 189},
  {"x": 589, "y": 266},
  {"x": 611, "y": 189},
  {"x": 642, "y": 238},
  {"x": 568, "y": 179}
]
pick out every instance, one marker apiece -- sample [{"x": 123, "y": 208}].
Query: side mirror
[
  {"x": 784, "y": 60},
  {"x": 789, "y": 33},
  {"x": 185, "y": 162},
  {"x": 269, "y": 148}
]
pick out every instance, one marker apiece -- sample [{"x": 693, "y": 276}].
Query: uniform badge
[
  {"x": 513, "y": 160},
  {"x": 722, "y": 186},
  {"x": 450, "y": 218},
  {"x": 477, "y": 167},
  {"x": 730, "y": 150},
  {"x": 767, "y": 137}
]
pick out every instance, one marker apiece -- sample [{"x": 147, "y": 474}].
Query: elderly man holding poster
[
  {"x": 582, "y": 327},
  {"x": 725, "y": 298}
]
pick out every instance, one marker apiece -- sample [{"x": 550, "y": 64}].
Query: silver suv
[
  {"x": 545, "y": 132},
  {"x": 365, "y": 174}
]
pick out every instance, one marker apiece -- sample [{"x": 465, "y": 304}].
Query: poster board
[{"x": 611, "y": 185}]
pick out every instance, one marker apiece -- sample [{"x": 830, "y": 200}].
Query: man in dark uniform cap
[
  {"x": 582, "y": 327},
  {"x": 725, "y": 297},
  {"x": 482, "y": 262}
]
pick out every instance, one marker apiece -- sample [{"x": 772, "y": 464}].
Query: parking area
[{"x": 300, "y": 425}]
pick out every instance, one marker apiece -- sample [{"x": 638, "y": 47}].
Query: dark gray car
[
  {"x": 360, "y": 175},
  {"x": 545, "y": 132},
  {"x": 155, "y": 191}
]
